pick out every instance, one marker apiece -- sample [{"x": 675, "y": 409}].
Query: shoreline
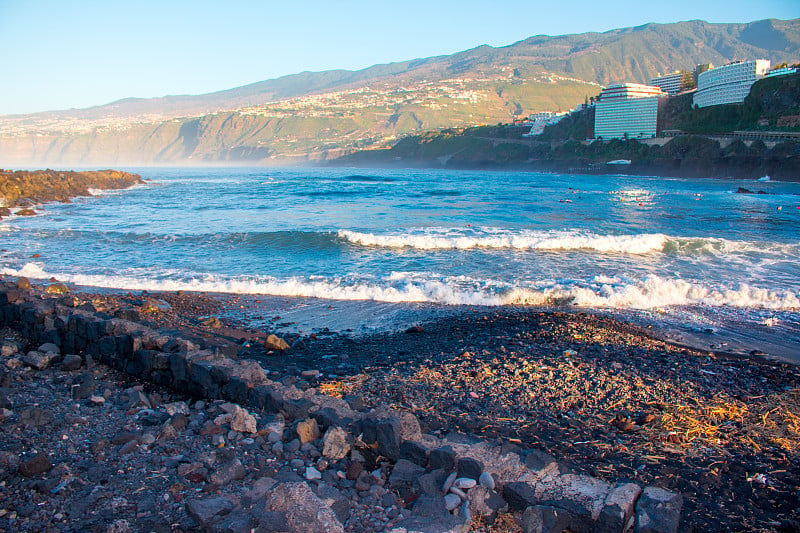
[
  {"x": 301, "y": 316},
  {"x": 605, "y": 396}
]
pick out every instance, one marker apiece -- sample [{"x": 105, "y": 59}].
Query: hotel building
[
  {"x": 729, "y": 84},
  {"x": 670, "y": 84},
  {"x": 627, "y": 110}
]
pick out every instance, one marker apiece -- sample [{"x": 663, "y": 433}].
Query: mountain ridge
[{"x": 316, "y": 114}]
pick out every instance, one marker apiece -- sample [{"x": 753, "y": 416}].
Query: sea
[{"x": 691, "y": 258}]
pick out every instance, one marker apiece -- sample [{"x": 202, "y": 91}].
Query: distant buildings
[
  {"x": 542, "y": 119},
  {"x": 627, "y": 110},
  {"x": 783, "y": 71},
  {"x": 671, "y": 83},
  {"x": 729, "y": 84}
]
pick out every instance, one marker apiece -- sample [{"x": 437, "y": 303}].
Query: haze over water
[{"x": 688, "y": 254}]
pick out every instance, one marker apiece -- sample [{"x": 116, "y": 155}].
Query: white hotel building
[
  {"x": 670, "y": 83},
  {"x": 729, "y": 84},
  {"x": 627, "y": 110}
]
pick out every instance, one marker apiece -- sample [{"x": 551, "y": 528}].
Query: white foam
[
  {"x": 448, "y": 239},
  {"x": 492, "y": 238},
  {"x": 653, "y": 292}
]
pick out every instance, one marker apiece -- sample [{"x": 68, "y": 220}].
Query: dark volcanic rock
[{"x": 38, "y": 464}]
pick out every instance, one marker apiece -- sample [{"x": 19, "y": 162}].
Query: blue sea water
[{"x": 689, "y": 252}]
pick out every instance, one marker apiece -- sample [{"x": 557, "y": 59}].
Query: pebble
[
  {"x": 460, "y": 493},
  {"x": 451, "y": 501},
  {"x": 487, "y": 480},
  {"x": 448, "y": 483},
  {"x": 464, "y": 483}
]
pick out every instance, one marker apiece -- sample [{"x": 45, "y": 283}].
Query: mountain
[{"x": 316, "y": 115}]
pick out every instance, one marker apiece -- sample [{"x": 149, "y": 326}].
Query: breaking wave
[
  {"x": 600, "y": 292},
  {"x": 490, "y": 238}
]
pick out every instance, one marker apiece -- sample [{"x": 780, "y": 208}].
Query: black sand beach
[{"x": 608, "y": 398}]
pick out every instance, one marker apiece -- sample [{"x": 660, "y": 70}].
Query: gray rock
[
  {"x": 405, "y": 474},
  {"x": 208, "y": 511},
  {"x": 228, "y": 472},
  {"x": 519, "y": 495},
  {"x": 448, "y": 482},
  {"x": 486, "y": 503},
  {"x": 464, "y": 483},
  {"x": 444, "y": 458},
  {"x": 388, "y": 436},
  {"x": 312, "y": 473},
  {"x": 469, "y": 467},
  {"x": 442, "y": 524},
  {"x": 237, "y": 521},
  {"x": 71, "y": 362},
  {"x": 260, "y": 488},
  {"x": 430, "y": 506},
  {"x": 432, "y": 482},
  {"x": 487, "y": 480},
  {"x": 336, "y": 500},
  {"x": 451, "y": 501},
  {"x": 334, "y": 444},
  {"x": 539, "y": 462},
  {"x": 658, "y": 511},
  {"x": 414, "y": 451},
  {"x": 545, "y": 519},
  {"x": 619, "y": 508},
  {"x": 304, "y": 510},
  {"x": 39, "y": 360},
  {"x": 582, "y": 495},
  {"x": 49, "y": 347},
  {"x": 269, "y": 522}
]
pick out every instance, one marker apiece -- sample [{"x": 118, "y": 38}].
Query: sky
[{"x": 57, "y": 54}]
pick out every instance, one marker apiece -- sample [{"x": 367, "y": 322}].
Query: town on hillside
[{"x": 632, "y": 110}]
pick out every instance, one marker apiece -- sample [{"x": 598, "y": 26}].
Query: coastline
[{"x": 607, "y": 397}]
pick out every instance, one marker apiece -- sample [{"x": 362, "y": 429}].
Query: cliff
[{"x": 22, "y": 187}]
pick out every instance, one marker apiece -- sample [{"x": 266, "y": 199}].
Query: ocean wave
[
  {"x": 601, "y": 292},
  {"x": 651, "y": 293},
  {"x": 458, "y": 239},
  {"x": 491, "y": 238}
]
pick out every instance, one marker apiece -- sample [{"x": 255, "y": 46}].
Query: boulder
[
  {"x": 658, "y": 511},
  {"x": 444, "y": 458},
  {"x": 307, "y": 430},
  {"x": 56, "y": 288},
  {"x": 71, "y": 362},
  {"x": 304, "y": 510},
  {"x": 334, "y": 444},
  {"x": 275, "y": 343},
  {"x": 39, "y": 360},
  {"x": 243, "y": 422},
  {"x": 405, "y": 474},
  {"x": 38, "y": 464},
  {"x": 545, "y": 519},
  {"x": 207, "y": 511}
]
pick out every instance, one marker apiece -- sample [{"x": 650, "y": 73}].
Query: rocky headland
[
  {"x": 26, "y": 188},
  {"x": 161, "y": 412}
]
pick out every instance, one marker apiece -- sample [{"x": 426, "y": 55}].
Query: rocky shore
[
  {"x": 25, "y": 189},
  {"x": 137, "y": 412}
]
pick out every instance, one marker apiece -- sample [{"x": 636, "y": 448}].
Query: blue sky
[{"x": 60, "y": 54}]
